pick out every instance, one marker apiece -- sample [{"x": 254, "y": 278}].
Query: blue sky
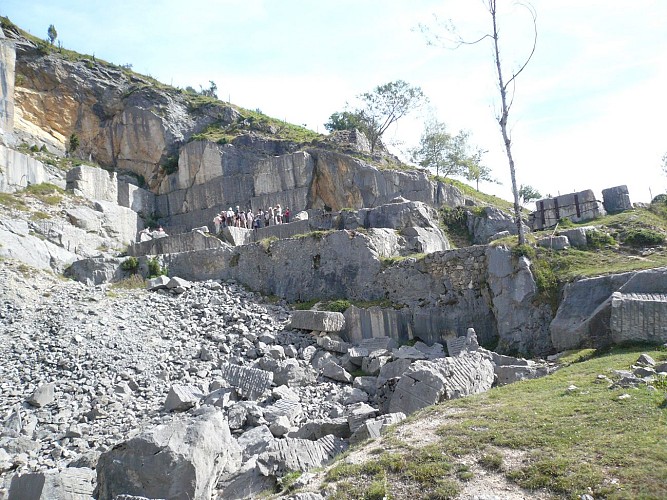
[{"x": 588, "y": 112}]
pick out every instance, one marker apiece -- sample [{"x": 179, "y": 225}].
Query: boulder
[
  {"x": 182, "y": 397},
  {"x": 42, "y": 395},
  {"x": 429, "y": 382},
  {"x": 250, "y": 382},
  {"x": 554, "y": 242},
  {"x": 180, "y": 459},
  {"x": 293, "y": 454},
  {"x": 336, "y": 372},
  {"x": 67, "y": 484}
]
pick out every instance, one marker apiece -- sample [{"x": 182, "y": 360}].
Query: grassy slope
[{"x": 583, "y": 440}]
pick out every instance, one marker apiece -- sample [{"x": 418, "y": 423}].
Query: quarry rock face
[{"x": 7, "y": 64}]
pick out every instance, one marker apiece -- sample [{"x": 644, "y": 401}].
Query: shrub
[
  {"x": 597, "y": 239},
  {"x": 524, "y": 251},
  {"x": 155, "y": 269},
  {"x": 643, "y": 238},
  {"x": 131, "y": 264},
  {"x": 170, "y": 164},
  {"x": 339, "y": 305}
]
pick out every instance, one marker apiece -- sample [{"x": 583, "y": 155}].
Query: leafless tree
[{"x": 506, "y": 88}]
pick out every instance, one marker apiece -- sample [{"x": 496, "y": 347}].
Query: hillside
[
  {"x": 393, "y": 314},
  {"x": 588, "y": 429}
]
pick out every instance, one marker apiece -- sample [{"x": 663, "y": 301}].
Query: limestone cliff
[{"x": 131, "y": 123}]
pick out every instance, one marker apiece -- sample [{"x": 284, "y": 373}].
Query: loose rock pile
[{"x": 108, "y": 388}]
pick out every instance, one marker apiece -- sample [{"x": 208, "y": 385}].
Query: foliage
[
  {"x": 643, "y": 237},
  {"x": 170, "y": 164},
  {"x": 155, "y": 269},
  {"x": 52, "y": 34},
  {"x": 381, "y": 108},
  {"x": 344, "y": 120},
  {"x": 339, "y": 305},
  {"x": 440, "y": 151},
  {"x": 455, "y": 224},
  {"x": 13, "y": 201},
  {"x": 46, "y": 192},
  {"x": 73, "y": 143},
  {"x": 421, "y": 473},
  {"x": 596, "y": 239},
  {"x": 528, "y": 193},
  {"x": 131, "y": 265}
]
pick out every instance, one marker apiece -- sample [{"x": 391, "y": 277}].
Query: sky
[{"x": 588, "y": 109}]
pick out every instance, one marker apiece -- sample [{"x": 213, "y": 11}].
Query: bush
[
  {"x": 155, "y": 269},
  {"x": 339, "y": 305},
  {"x": 643, "y": 238},
  {"x": 131, "y": 264},
  {"x": 597, "y": 239}
]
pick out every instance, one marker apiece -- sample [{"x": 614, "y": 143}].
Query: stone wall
[
  {"x": 7, "y": 63},
  {"x": 577, "y": 207}
]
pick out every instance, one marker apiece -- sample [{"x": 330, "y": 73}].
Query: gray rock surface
[
  {"x": 429, "y": 382},
  {"x": 320, "y": 321},
  {"x": 182, "y": 459}
]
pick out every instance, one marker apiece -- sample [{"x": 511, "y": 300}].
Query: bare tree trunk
[{"x": 502, "y": 120}]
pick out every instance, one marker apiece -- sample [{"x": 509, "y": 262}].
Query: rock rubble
[{"x": 96, "y": 376}]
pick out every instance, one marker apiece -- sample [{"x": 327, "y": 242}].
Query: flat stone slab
[
  {"x": 320, "y": 321},
  {"x": 251, "y": 382}
]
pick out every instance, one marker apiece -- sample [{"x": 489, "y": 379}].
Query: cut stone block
[
  {"x": 251, "y": 382},
  {"x": 320, "y": 321}
]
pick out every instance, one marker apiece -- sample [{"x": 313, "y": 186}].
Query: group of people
[{"x": 249, "y": 220}]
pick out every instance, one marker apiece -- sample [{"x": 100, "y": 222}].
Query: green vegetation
[
  {"x": 417, "y": 471},
  {"x": 390, "y": 261},
  {"x": 155, "y": 269},
  {"x": 169, "y": 165},
  {"x": 572, "y": 441},
  {"x": 131, "y": 265},
  {"x": 39, "y": 215},
  {"x": 13, "y": 201},
  {"x": 454, "y": 222},
  {"x": 47, "y": 193},
  {"x": 596, "y": 239},
  {"x": 477, "y": 196},
  {"x": 643, "y": 237},
  {"x": 255, "y": 121},
  {"x": 318, "y": 235}
]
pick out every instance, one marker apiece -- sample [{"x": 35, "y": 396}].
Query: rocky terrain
[
  {"x": 86, "y": 368},
  {"x": 193, "y": 384}
]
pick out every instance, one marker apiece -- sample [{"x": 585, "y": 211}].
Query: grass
[
  {"x": 390, "y": 261},
  {"x": 478, "y": 196},
  {"x": 573, "y": 442},
  {"x": 133, "y": 282},
  {"x": 414, "y": 472},
  {"x": 13, "y": 201}
]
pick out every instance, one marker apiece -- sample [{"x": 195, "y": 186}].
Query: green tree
[
  {"x": 478, "y": 172},
  {"x": 380, "y": 109},
  {"x": 528, "y": 193},
  {"x": 211, "y": 91},
  {"x": 386, "y": 105},
  {"x": 344, "y": 120},
  {"x": 52, "y": 33},
  {"x": 446, "y": 154}
]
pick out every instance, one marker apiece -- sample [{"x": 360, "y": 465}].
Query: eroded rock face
[{"x": 7, "y": 62}]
